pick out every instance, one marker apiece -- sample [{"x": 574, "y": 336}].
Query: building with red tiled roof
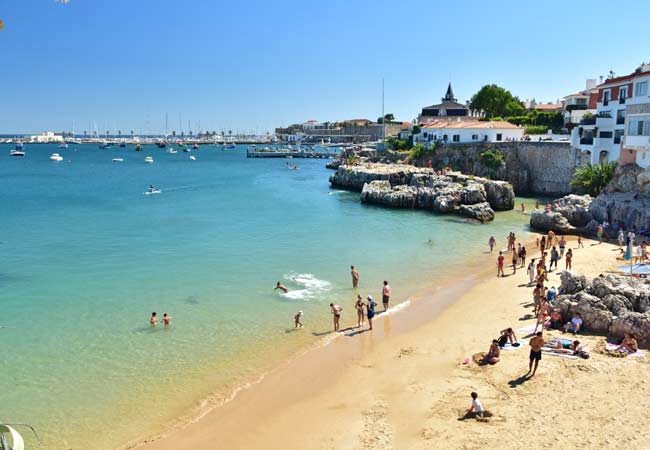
[{"x": 456, "y": 130}]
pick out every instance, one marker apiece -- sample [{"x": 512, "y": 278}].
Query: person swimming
[
  {"x": 281, "y": 287},
  {"x": 167, "y": 320},
  {"x": 154, "y": 318}
]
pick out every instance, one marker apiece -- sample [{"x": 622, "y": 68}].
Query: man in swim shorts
[
  {"x": 385, "y": 295},
  {"x": 336, "y": 313},
  {"x": 355, "y": 276},
  {"x": 536, "y": 343}
]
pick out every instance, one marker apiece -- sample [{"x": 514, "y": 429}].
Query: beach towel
[
  {"x": 561, "y": 355},
  {"x": 511, "y": 347},
  {"x": 612, "y": 347},
  {"x": 528, "y": 329}
]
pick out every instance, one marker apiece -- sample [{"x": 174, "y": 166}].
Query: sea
[{"x": 87, "y": 256}]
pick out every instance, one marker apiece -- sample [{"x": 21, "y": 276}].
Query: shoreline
[
  {"x": 375, "y": 396},
  {"x": 411, "y": 314}
]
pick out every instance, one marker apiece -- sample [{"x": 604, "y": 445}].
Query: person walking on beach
[
  {"x": 370, "y": 306},
  {"x": 167, "y": 320},
  {"x": 281, "y": 287},
  {"x": 555, "y": 256},
  {"x": 153, "y": 320},
  {"x": 543, "y": 310},
  {"x": 492, "y": 242},
  {"x": 621, "y": 239},
  {"x": 296, "y": 319},
  {"x": 515, "y": 261},
  {"x": 531, "y": 271},
  {"x": 542, "y": 244},
  {"x": 500, "y": 261},
  {"x": 562, "y": 245},
  {"x": 385, "y": 295},
  {"x": 580, "y": 244},
  {"x": 355, "y": 276},
  {"x": 567, "y": 259},
  {"x": 359, "y": 307},
  {"x": 522, "y": 256},
  {"x": 536, "y": 343},
  {"x": 336, "y": 314},
  {"x": 599, "y": 233}
]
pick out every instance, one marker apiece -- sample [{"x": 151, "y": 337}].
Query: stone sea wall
[
  {"x": 405, "y": 186},
  {"x": 533, "y": 168}
]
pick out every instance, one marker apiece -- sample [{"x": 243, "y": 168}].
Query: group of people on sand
[
  {"x": 166, "y": 320},
  {"x": 518, "y": 254},
  {"x": 364, "y": 309}
]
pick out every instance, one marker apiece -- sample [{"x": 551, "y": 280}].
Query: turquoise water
[{"x": 86, "y": 258}]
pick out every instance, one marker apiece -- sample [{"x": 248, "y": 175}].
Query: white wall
[{"x": 468, "y": 135}]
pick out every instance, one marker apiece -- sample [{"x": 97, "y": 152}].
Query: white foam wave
[
  {"x": 309, "y": 286},
  {"x": 397, "y": 308}
]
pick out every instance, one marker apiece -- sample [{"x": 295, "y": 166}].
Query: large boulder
[
  {"x": 595, "y": 315},
  {"x": 571, "y": 283},
  {"x": 472, "y": 194},
  {"x": 633, "y": 322},
  {"x": 545, "y": 221},
  {"x": 381, "y": 192},
  {"x": 575, "y": 208},
  {"x": 480, "y": 212},
  {"x": 500, "y": 195}
]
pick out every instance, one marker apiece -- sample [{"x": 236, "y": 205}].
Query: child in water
[{"x": 297, "y": 318}]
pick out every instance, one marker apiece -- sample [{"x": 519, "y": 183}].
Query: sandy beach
[{"x": 403, "y": 385}]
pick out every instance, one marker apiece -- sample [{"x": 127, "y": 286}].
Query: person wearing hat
[{"x": 371, "y": 311}]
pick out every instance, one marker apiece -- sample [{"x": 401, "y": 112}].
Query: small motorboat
[
  {"x": 64, "y": 145},
  {"x": 195, "y": 147},
  {"x": 161, "y": 144},
  {"x": 192, "y": 158},
  {"x": 186, "y": 150},
  {"x": 104, "y": 145},
  {"x": 118, "y": 160},
  {"x": 56, "y": 157},
  {"x": 230, "y": 146},
  {"x": 138, "y": 148},
  {"x": 122, "y": 144},
  {"x": 148, "y": 160},
  {"x": 172, "y": 151},
  {"x": 16, "y": 153},
  {"x": 155, "y": 191}
]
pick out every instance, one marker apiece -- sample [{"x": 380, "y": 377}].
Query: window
[
  {"x": 620, "y": 117},
  {"x": 605, "y": 135},
  {"x": 639, "y": 126},
  {"x": 499, "y": 136},
  {"x": 606, "y": 98},
  {"x": 456, "y": 138},
  {"x": 444, "y": 137},
  {"x": 622, "y": 94},
  {"x": 475, "y": 137},
  {"x": 618, "y": 134},
  {"x": 641, "y": 89}
]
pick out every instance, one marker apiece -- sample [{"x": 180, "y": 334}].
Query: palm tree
[
  {"x": 119, "y": 133},
  {"x": 593, "y": 179},
  {"x": 85, "y": 134},
  {"x": 132, "y": 134},
  {"x": 106, "y": 134}
]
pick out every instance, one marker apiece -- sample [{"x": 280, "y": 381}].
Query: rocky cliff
[
  {"x": 626, "y": 200},
  {"x": 405, "y": 186},
  {"x": 611, "y": 304}
]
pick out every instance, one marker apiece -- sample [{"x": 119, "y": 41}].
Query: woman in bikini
[
  {"x": 359, "y": 307},
  {"x": 629, "y": 344}
]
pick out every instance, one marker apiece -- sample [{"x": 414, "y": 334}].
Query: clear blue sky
[{"x": 256, "y": 65}]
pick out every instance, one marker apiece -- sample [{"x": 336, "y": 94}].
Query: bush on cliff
[
  {"x": 419, "y": 151},
  {"x": 492, "y": 159},
  {"x": 536, "y": 129},
  {"x": 593, "y": 179}
]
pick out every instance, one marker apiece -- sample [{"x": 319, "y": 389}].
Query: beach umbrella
[{"x": 637, "y": 269}]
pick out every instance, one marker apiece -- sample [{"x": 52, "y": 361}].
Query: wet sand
[{"x": 403, "y": 386}]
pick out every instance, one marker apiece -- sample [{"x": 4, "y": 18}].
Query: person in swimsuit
[
  {"x": 562, "y": 245},
  {"x": 554, "y": 322},
  {"x": 543, "y": 312},
  {"x": 154, "y": 318},
  {"x": 281, "y": 287},
  {"x": 355, "y": 276},
  {"x": 537, "y": 297},
  {"x": 359, "y": 307},
  {"x": 522, "y": 256},
  {"x": 629, "y": 344},
  {"x": 493, "y": 354},
  {"x": 336, "y": 313},
  {"x": 385, "y": 295},
  {"x": 500, "y": 260},
  {"x": 509, "y": 335},
  {"x": 515, "y": 260},
  {"x": 575, "y": 325},
  {"x": 599, "y": 233},
  {"x": 562, "y": 346},
  {"x": 542, "y": 244},
  {"x": 523, "y": 209},
  {"x": 531, "y": 271},
  {"x": 580, "y": 244},
  {"x": 492, "y": 242},
  {"x": 568, "y": 259},
  {"x": 296, "y": 319},
  {"x": 536, "y": 343},
  {"x": 167, "y": 320},
  {"x": 370, "y": 306}
]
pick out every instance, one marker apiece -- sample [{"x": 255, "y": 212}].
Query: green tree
[
  {"x": 492, "y": 159},
  {"x": 593, "y": 179},
  {"x": 496, "y": 101},
  {"x": 388, "y": 117}
]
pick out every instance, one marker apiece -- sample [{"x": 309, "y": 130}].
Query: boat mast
[{"x": 383, "y": 116}]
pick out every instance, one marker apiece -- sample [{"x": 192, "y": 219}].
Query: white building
[
  {"x": 602, "y": 136},
  {"x": 313, "y": 125},
  {"x": 577, "y": 105},
  {"x": 456, "y": 131},
  {"x": 45, "y": 137}
]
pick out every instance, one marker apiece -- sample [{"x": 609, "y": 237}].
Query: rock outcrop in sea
[
  {"x": 610, "y": 304},
  {"x": 626, "y": 200},
  {"x": 404, "y": 186}
]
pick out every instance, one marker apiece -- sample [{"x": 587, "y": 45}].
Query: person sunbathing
[
  {"x": 629, "y": 344},
  {"x": 562, "y": 346},
  {"x": 493, "y": 355}
]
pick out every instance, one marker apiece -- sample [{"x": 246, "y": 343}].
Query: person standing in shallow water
[
  {"x": 154, "y": 318},
  {"x": 492, "y": 242},
  {"x": 355, "y": 276},
  {"x": 336, "y": 313},
  {"x": 370, "y": 306},
  {"x": 385, "y": 295},
  {"x": 167, "y": 320},
  {"x": 359, "y": 307}
]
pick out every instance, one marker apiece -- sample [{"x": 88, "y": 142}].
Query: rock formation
[
  {"x": 610, "y": 304},
  {"x": 404, "y": 186}
]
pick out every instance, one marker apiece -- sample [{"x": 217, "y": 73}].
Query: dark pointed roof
[{"x": 449, "y": 96}]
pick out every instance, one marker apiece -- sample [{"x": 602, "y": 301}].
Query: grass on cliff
[{"x": 593, "y": 179}]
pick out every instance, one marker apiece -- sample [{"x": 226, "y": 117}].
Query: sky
[{"x": 256, "y": 65}]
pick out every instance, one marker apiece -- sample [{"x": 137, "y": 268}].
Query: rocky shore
[
  {"x": 626, "y": 200},
  {"x": 405, "y": 186},
  {"x": 612, "y": 304}
]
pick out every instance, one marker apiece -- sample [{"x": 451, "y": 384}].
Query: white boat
[
  {"x": 118, "y": 159},
  {"x": 64, "y": 145},
  {"x": 148, "y": 160},
  {"x": 155, "y": 191},
  {"x": 56, "y": 157},
  {"x": 16, "y": 153},
  {"x": 172, "y": 151},
  {"x": 192, "y": 158}
]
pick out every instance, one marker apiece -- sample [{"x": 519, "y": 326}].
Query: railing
[
  {"x": 575, "y": 107},
  {"x": 605, "y": 102},
  {"x": 588, "y": 121},
  {"x": 587, "y": 141}
]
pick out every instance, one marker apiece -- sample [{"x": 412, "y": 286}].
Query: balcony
[
  {"x": 621, "y": 101},
  {"x": 588, "y": 121},
  {"x": 575, "y": 107},
  {"x": 587, "y": 141}
]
